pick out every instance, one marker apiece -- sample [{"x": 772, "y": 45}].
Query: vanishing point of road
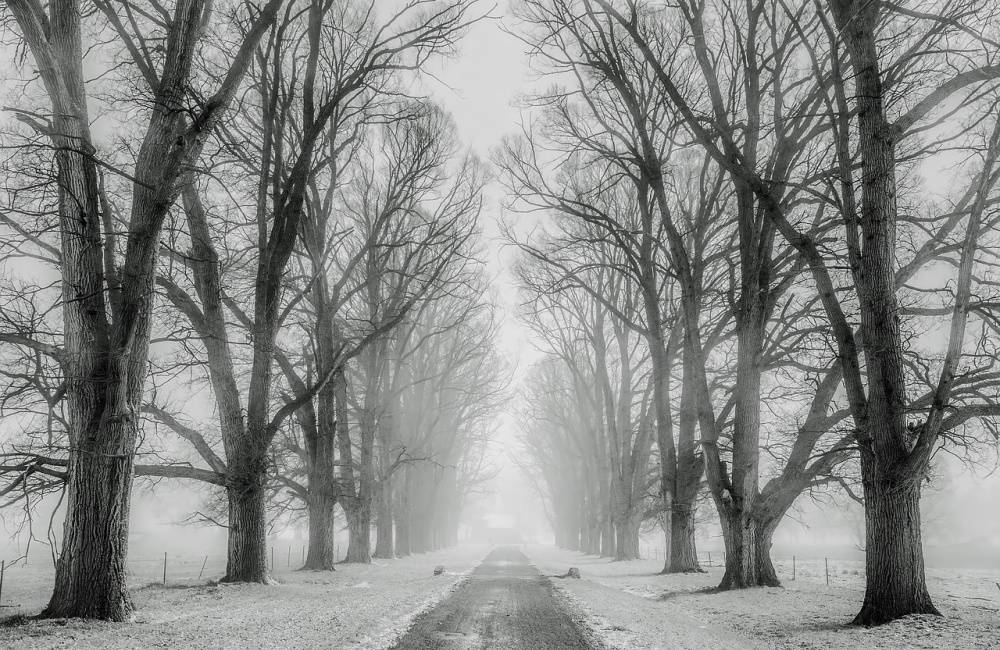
[{"x": 505, "y": 603}]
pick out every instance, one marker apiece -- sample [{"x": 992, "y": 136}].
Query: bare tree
[
  {"x": 418, "y": 225},
  {"x": 448, "y": 387},
  {"x": 308, "y": 78},
  {"x": 872, "y": 131},
  {"x": 613, "y": 122},
  {"x": 593, "y": 410},
  {"x": 107, "y": 305}
]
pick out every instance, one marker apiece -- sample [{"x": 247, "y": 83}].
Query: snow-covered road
[{"x": 506, "y": 603}]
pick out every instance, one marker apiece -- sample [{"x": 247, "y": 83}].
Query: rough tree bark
[
  {"x": 894, "y": 564},
  {"x": 246, "y": 559},
  {"x": 403, "y": 516},
  {"x": 107, "y": 309},
  {"x": 359, "y": 519},
  {"x": 385, "y": 547},
  {"x": 359, "y": 526},
  {"x": 384, "y": 541},
  {"x": 320, "y": 555},
  {"x": 683, "y": 552}
]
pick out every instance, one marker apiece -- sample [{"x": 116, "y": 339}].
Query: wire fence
[
  {"x": 281, "y": 558},
  {"x": 21, "y": 576},
  {"x": 832, "y": 571}
]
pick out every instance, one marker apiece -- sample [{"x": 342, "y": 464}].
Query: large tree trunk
[
  {"x": 104, "y": 361},
  {"x": 627, "y": 533},
  {"x": 320, "y": 436},
  {"x": 402, "y": 514},
  {"x": 247, "y": 556},
  {"x": 895, "y": 584},
  {"x": 106, "y": 307},
  {"x": 682, "y": 555},
  {"x": 585, "y": 522},
  {"x": 592, "y": 524},
  {"x": 90, "y": 573},
  {"x": 736, "y": 499},
  {"x": 359, "y": 519},
  {"x": 359, "y": 527},
  {"x": 664, "y": 423},
  {"x": 387, "y": 448},
  {"x": 384, "y": 546},
  {"x": 683, "y": 550},
  {"x": 607, "y": 523},
  {"x": 321, "y": 555},
  {"x": 627, "y": 517},
  {"x": 748, "y": 553}
]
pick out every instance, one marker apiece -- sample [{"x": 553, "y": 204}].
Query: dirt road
[{"x": 506, "y": 603}]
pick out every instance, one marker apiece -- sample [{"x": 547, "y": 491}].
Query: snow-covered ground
[
  {"x": 626, "y": 604},
  {"x": 630, "y": 606},
  {"x": 357, "y": 606}
]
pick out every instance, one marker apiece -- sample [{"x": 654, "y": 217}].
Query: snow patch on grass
[
  {"x": 680, "y": 611},
  {"x": 607, "y": 634},
  {"x": 397, "y": 629},
  {"x": 307, "y": 609}
]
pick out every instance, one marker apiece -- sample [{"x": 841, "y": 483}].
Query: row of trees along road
[
  {"x": 239, "y": 197},
  {"x": 792, "y": 206}
]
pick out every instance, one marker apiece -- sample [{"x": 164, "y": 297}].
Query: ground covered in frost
[
  {"x": 357, "y": 606},
  {"x": 630, "y": 606}
]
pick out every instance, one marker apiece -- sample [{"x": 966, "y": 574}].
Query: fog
[{"x": 321, "y": 286}]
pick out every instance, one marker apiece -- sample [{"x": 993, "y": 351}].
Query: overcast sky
[{"x": 481, "y": 87}]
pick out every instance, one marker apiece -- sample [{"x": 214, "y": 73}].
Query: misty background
[{"x": 483, "y": 87}]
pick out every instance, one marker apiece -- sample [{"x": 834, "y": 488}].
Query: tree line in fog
[
  {"x": 239, "y": 251},
  {"x": 766, "y": 268}
]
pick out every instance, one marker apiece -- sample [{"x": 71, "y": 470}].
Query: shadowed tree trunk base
[
  {"x": 90, "y": 573},
  {"x": 895, "y": 584},
  {"x": 748, "y": 556},
  {"x": 627, "y": 542},
  {"x": 359, "y": 546},
  {"x": 384, "y": 546},
  {"x": 683, "y": 555},
  {"x": 320, "y": 555},
  {"x": 247, "y": 557}
]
